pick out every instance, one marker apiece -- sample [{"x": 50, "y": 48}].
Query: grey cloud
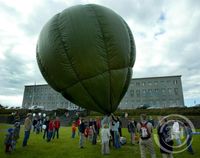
[
  {"x": 9, "y": 10},
  {"x": 14, "y": 74},
  {"x": 42, "y": 14}
]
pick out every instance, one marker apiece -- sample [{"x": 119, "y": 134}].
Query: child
[
  {"x": 16, "y": 133},
  {"x": 90, "y": 134},
  {"x": 105, "y": 137},
  {"x": 8, "y": 140},
  {"x": 86, "y": 132},
  {"x": 73, "y": 129}
]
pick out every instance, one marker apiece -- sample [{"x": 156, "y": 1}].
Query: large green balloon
[{"x": 87, "y": 52}]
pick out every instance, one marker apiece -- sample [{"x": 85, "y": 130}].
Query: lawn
[{"x": 66, "y": 147}]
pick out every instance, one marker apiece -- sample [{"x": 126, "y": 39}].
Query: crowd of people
[{"x": 108, "y": 130}]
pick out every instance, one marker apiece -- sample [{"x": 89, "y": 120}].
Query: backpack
[{"x": 144, "y": 132}]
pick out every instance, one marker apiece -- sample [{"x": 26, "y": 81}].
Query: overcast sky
[{"x": 166, "y": 34}]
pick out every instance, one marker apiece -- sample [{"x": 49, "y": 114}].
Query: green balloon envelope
[{"x": 86, "y": 53}]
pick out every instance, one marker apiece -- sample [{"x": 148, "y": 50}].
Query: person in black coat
[
  {"x": 82, "y": 128},
  {"x": 46, "y": 125},
  {"x": 165, "y": 140}
]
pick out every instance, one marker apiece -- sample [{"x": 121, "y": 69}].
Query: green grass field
[{"x": 66, "y": 147}]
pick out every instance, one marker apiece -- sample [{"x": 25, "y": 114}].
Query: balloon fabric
[{"x": 86, "y": 53}]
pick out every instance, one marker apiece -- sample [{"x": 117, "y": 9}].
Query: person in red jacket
[
  {"x": 50, "y": 129},
  {"x": 56, "y": 127}
]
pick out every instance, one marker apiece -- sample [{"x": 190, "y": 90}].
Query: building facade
[
  {"x": 157, "y": 92},
  {"x": 46, "y": 97}
]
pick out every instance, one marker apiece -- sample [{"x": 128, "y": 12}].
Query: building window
[
  {"x": 143, "y": 83},
  {"x": 144, "y": 92},
  {"x": 156, "y": 92},
  {"x": 156, "y": 83},
  {"x": 138, "y": 93},
  {"x": 169, "y": 91},
  {"x": 149, "y": 92},
  {"x": 175, "y": 82},
  {"x": 150, "y": 83},
  {"x": 176, "y": 91},
  {"x": 137, "y": 83},
  {"x": 162, "y": 82},
  {"x": 177, "y": 102},
  {"x": 163, "y": 91},
  {"x": 132, "y": 93},
  {"x": 168, "y": 81}
]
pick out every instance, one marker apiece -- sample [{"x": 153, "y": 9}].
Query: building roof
[
  {"x": 156, "y": 77},
  {"x": 132, "y": 79}
]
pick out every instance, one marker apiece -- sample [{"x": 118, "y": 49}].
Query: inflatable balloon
[{"x": 86, "y": 53}]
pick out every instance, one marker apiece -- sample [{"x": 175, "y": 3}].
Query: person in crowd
[
  {"x": 94, "y": 128},
  {"x": 90, "y": 122},
  {"x": 105, "y": 137},
  {"x": 27, "y": 128},
  {"x": 176, "y": 132},
  {"x": 37, "y": 126},
  {"x": 46, "y": 127},
  {"x": 90, "y": 134},
  {"x": 107, "y": 119},
  {"x": 189, "y": 133},
  {"x": 35, "y": 121},
  {"x": 165, "y": 140},
  {"x": 81, "y": 131},
  {"x": 145, "y": 129},
  {"x": 16, "y": 133},
  {"x": 120, "y": 126},
  {"x": 56, "y": 127},
  {"x": 116, "y": 132},
  {"x": 8, "y": 140},
  {"x": 98, "y": 123},
  {"x": 151, "y": 120},
  {"x": 50, "y": 130},
  {"x": 78, "y": 122},
  {"x": 86, "y": 132},
  {"x": 16, "y": 117},
  {"x": 112, "y": 133},
  {"x": 73, "y": 129},
  {"x": 132, "y": 130},
  {"x": 40, "y": 123}
]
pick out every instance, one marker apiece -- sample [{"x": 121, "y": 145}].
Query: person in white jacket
[
  {"x": 176, "y": 132},
  {"x": 105, "y": 137}
]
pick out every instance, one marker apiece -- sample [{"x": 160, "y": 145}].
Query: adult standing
[
  {"x": 165, "y": 140},
  {"x": 188, "y": 132},
  {"x": 27, "y": 128},
  {"x": 82, "y": 130},
  {"x": 145, "y": 129},
  {"x": 57, "y": 126},
  {"x": 94, "y": 137},
  {"x": 17, "y": 124},
  {"x": 120, "y": 126},
  {"x": 50, "y": 129},
  {"x": 132, "y": 130},
  {"x": 46, "y": 127},
  {"x": 116, "y": 132}
]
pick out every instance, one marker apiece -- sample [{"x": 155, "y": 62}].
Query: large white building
[{"x": 156, "y": 92}]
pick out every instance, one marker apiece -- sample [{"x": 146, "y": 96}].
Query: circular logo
[{"x": 174, "y": 133}]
